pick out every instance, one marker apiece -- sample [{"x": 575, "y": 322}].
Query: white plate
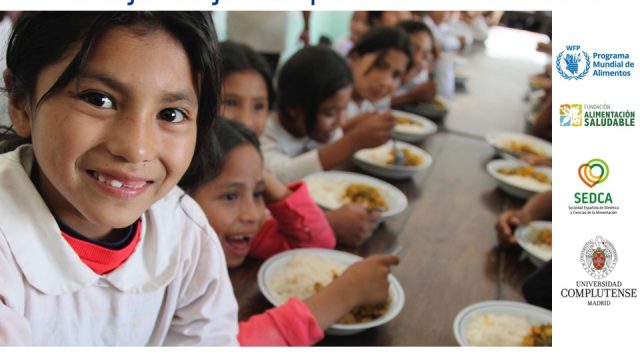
[
  {"x": 374, "y": 161},
  {"x": 413, "y": 133},
  {"x": 396, "y": 293},
  {"x": 534, "y": 315},
  {"x": 501, "y": 140},
  {"x": 526, "y": 236},
  {"x": 518, "y": 186},
  {"x": 327, "y": 189}
]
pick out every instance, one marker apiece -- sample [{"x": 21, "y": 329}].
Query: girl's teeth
[{"x": 116, "y": 183}]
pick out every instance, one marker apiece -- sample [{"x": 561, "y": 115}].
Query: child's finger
[
  {"x": 514, "y": 220},
  {"x": 374, "y": 215},
  {"x": 387, "y": 259}
]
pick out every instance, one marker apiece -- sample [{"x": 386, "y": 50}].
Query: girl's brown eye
[
  {"x": 172, "y": 115},
  {"x": 97, "y": 99}
]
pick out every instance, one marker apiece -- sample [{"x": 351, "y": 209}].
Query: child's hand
[
  {"x": 425, "y": 92},
  {"x": 367, "y": 281},
  {"x": 373, "y": 131},
  {"x": 507, "y": 221},
  {"x": 536, "y": 160},
  {"x": 352, "y": 223},
  {"x": 363, "y": 283},
  {"x": 274, "y": 189}
]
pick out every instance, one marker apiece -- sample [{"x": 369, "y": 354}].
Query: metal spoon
[{"x": 398, "y": 155}]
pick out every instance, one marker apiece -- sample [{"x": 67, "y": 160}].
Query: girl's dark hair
[
  {"x": 412, "y": 27},
  {"x": 374, "y": 17},
  {"x": 229, "y": 135},
  {"x": 310, "y": 76},
  {"x": 382, "y": 39},
  {"x": 42, "y": 38},
  {"x": 238, "y": 57}
]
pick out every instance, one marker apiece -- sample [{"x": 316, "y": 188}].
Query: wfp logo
[
  {"x": 573, "y": 63},
  {"x": 571, "y": 115}
]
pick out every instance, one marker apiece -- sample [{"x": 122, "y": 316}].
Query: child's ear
[{"x": 18, "y": 108}]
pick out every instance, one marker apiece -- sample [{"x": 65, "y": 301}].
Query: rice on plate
[
  {"x": 302, "y": 273},
  {"x": 497, "y": 330}
]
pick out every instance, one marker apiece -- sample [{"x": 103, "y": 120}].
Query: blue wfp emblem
[{"x": 573, "y": 63}]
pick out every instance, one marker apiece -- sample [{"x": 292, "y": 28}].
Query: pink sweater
[{"x": 297, "y": 222}]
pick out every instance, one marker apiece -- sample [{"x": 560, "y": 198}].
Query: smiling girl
[
  {"x": 235, "y": 199},
  {"x": 379, "y": 62},
  {"x": 97, "y": 244}
]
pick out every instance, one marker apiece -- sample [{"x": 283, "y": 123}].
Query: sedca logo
[{"x": 592, "y": 173}]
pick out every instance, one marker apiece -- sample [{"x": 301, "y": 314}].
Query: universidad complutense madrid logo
[
  {"x": 571, "y": 115},
  {"x": 598, "y": 257},
  {"x": 573, "y": 63}
]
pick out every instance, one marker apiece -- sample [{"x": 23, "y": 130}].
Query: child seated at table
[
  {"x": 379, "y": 61},
  {"x": 305, "y": 137},
  {"x": 416, "y": 86},
  {"x": 359, "y": 26},
  {"x": 233, "y": 196},
  {"x": 537, "y": 287},
  {"x": 247, "y": 97}
]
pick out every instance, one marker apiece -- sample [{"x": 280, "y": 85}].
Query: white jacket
[
  {"x": 289, "y": 158},
  {"x": 173, "y": 290}
]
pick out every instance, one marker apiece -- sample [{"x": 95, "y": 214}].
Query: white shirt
[
  {"x": 421, "y": 77},
  {"x": 173, "y": 290},
  {"x": 365, "y": 106},
  {"x": 287, "y": 157},
  {"x": 446, "y": 41},
  {"x": 343, "y": 45}
]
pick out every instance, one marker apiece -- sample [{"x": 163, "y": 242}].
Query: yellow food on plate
[
  {"x": 410, "y": 158},
  {"x": 539, "y": 335},
  {"x": 521, "y": 148},
  {"x": 439, "y": 104},
  {"x": 406, "y": 121},
  {"x": 526, "y": 171},
  {"x": 359, "y": 314},
  {"x": 544, "y": 237},
  {"x": 365, "y": 194},
  {"x": 364, "y": 313}
]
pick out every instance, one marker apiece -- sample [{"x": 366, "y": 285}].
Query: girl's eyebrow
[
  {"x": 232, "y": 185},
  {"x": 232, "y": 94},
  {"x": 119, "y": 86}
]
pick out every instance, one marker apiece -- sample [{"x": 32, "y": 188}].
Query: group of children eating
[{"x": 144, "y": 159}]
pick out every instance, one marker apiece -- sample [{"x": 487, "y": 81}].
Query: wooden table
[{"x": 450, "y": 257}]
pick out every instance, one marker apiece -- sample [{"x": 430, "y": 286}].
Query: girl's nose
[
  {"x": 246, "y": 118},
  {"x": 134, "y": 138},
  {"x": 249, "y": 213}
]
